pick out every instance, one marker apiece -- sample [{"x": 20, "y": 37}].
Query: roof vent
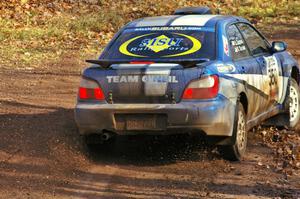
[{"x": 193, "y": 11}]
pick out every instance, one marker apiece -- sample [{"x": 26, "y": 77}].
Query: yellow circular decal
[{"x": 162, "y": 44}]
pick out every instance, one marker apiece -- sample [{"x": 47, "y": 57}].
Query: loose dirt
[{"x": 42, "y": 155}]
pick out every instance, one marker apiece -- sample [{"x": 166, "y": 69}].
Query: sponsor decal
[
  {"x": 228, "y": 68},
  {"x": 238, "y": 45},
  {"x": 144, "y": 78},
  {"x": 273, "y": 74},
  {"x": 225, "y": 45},
  {"x": 161, "y": 45},
  {"x": 172, "y": 28}
]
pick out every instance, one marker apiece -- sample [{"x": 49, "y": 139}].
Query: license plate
[{"x": 140, "y": 124}]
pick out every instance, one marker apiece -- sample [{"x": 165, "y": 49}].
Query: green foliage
[{"x": 32, "y": 31}]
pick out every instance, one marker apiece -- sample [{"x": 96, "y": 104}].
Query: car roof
[{"x": 184, "y": 20}]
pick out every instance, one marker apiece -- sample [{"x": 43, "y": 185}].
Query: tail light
[
  {"x": 204, "y": 88},
  {"x": 90, "y": 90}
]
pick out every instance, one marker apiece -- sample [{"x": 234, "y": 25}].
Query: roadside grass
[
  {"x": 31, "y": 46},
  {"x": 263, "y": 8},
  {"x": 36, "y": 37}
]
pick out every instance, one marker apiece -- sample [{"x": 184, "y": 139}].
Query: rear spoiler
[{"x": 104, "y": 63}]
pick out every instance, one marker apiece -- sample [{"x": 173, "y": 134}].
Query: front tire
[
  {"x": 237, "y": 150},
  {"x": 294, "y": 104}
]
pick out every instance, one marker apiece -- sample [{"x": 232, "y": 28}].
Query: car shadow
[
  {"x": 39, "y": 134},
  {"x": 147, "y": 150}
]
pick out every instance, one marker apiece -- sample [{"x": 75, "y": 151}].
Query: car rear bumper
[{"x": 212, "y": 117}]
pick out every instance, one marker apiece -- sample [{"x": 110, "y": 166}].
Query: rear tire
[{"x": 237, "y": 150}]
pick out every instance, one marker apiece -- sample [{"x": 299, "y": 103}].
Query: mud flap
[
  {"x": 280, "y": 120},
  {"x": 225, "y": 140},
  {"x": 220, "y": 140}
]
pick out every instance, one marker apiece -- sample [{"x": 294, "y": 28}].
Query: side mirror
[{"x": 278, "y": 46}]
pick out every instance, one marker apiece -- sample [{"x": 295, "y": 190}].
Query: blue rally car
[{"x": 191, "y": 72}]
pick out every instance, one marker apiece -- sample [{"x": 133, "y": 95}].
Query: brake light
[
  {"x": 204, "y": 88},
  {"x": 90, "y": 90},
  {"x": 141, "y": 62}
]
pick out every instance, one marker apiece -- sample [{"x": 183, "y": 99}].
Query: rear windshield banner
[{"x": 164, "y": 43}]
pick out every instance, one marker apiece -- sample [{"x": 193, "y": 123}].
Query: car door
[
  {"x": 269, "y": 64},
  {"x": 247, "y": 69}
]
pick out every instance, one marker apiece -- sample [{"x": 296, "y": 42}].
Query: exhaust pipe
[{"x": 106, "y": 136}]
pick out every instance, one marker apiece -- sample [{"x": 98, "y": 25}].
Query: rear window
[{"x": 163, "y": 43}]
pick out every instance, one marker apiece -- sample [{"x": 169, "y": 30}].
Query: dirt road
[{"x": 42, "y": 156}]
